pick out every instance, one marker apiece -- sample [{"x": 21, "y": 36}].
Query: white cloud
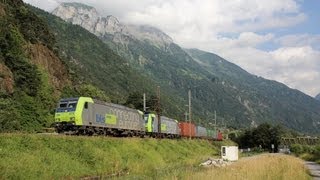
[
  {"x": 297, "y": 67},
  {"x": 297, "y": 40},
  {"x": 47, "y": 5}
]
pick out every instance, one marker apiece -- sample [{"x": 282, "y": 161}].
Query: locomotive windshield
[
  {"x": 67, "y": 105},
  {"x": 146, "y": 116}
]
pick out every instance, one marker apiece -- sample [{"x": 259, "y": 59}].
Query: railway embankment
[{"x": 34, "y": 156}]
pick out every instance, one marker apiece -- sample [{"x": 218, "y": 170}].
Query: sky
[{"x": 274, "y": 39}]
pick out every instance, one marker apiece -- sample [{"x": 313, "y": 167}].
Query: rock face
[
  {"x": 318, "y": 97},
  {"x": 6, "y": 80},
  {"x": 48, "y": 61},
  {"x": 109, "y": 27},
  {"x": 2, "y": 11}
]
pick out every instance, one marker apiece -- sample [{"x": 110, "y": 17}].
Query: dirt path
[{"x": 314, "y": 169}]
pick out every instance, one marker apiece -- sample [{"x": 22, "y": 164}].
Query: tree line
[{"x": 264, "y": 137}]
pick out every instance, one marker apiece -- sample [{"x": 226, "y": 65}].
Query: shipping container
[
  {"x": 187, "y": 129},
  {"x": 211, "y": 133},
  {"x": 219, "y": 136},
  {"x": 201, "y": 132}
]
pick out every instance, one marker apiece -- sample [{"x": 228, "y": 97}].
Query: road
[{"x": 314, "y": 169}]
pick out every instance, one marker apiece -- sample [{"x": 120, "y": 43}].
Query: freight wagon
[
  {"x": 187, "y": 129},
  {"x": 214, "y": 134},
  {"x": 201, "y": 132},
  {"x": 88, "y": 116},
  {"x": 211, "y": 134}
]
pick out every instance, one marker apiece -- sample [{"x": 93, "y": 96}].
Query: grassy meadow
[
  {"x": 266, "y": 166},
  {"x": 35, "y": 156}
]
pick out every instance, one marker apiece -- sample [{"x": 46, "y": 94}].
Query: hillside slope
[
  {"x": 31, "y": 74},
  {"x": 240, "y": 99},
  {"x": 72, "y": 157},
  {"x": 318, "y": 97},
  {"x": 265, "y": 99}
]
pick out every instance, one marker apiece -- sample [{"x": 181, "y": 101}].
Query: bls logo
[{"x": 100, "y": 119}]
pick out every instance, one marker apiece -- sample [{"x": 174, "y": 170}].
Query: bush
[{"x": 297, "y": 149}]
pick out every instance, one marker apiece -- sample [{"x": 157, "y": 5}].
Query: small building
[{"x": 230, "y": 153}]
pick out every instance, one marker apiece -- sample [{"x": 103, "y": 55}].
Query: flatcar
[{"x": 85, "y": 115}]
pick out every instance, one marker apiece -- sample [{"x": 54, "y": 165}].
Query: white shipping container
[{"x": 229, "y": 153}]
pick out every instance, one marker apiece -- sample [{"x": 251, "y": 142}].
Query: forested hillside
[
  {"x": 30, "y": 84},
  {"x": 264, "y": 100}
]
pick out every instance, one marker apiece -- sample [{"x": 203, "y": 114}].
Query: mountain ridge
[{"x": 89, "y": 18}]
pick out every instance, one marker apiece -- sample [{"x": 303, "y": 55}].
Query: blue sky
[
  {"x": 311, "y": 25},
  {"x": 275, "y": 39}
]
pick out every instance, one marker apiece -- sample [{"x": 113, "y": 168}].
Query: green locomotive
[{"x": 85, "y": 115}]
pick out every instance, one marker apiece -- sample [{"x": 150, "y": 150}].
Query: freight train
[{"x": 87, "y": 116}]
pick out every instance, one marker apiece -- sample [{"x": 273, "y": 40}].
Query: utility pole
[
  {"x": 215, "y": 121},
  {"x": 158, "y": 110},
  {"x": 144, "y": 102},
  {"x": 190, "y": 119}
]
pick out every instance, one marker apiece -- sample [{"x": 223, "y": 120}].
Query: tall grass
[
  {"x": 265, "y": 166},
  {"x": 26, "y": 156}
]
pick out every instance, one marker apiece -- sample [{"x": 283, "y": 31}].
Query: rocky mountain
[
  {"x": 240, "y": 98},
  {"x": 318, "y": 97},
  {"x": 104, "y": 27}
]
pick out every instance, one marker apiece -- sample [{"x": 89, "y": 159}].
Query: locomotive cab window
[
  {"x": 72, "y": 104},
  {"x": 63, "y": 105},
  {"x": 146, "y": 117},
  {"x": 86, "y": 105}
]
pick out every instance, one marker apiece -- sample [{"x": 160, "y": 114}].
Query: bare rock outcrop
[
  {"x": 45, "y": 59},
  {"x": 6, "y": 80}
]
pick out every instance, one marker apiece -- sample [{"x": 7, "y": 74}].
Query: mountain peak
[
  {"x": 76, "y": 5},
  {"x": 113, "y": 19},
  {"x": 90, "y": 19}
]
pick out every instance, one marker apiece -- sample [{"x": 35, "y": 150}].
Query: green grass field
[{"x": 35, "y": 156}]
